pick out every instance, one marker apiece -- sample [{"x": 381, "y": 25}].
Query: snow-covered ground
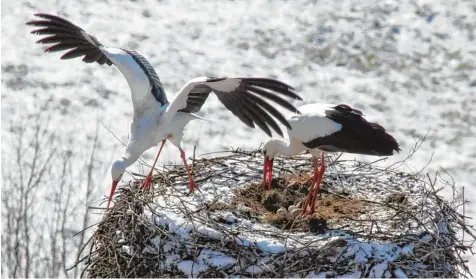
[{"x": 411, "y": 65}]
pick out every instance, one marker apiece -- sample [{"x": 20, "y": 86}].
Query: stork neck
[
  {"x": 287, "y": 148},
  {"x": 128, "y": 160},
  {"x": 129, "y": 67},
  {"x": 129, "y": 157}
]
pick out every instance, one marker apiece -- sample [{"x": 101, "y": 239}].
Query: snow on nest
[{"x": 394, "y": 231}]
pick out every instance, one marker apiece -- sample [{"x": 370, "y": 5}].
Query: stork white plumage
[
  {"x": 324, "y": 128},
  {"x": 155, "y": 119}
]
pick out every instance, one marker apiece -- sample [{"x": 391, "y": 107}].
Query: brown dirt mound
[{"x": 291, "y": 191}]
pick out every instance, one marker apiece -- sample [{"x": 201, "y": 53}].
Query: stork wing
[
  {"x": 140, "y": 75},
  {"x": 65, "y": 35},
  {"x": 354, "y": 135},
  {"x": 246, "y": 98}
]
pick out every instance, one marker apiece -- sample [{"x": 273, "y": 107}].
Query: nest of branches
[{"x": 369, "y": 222}]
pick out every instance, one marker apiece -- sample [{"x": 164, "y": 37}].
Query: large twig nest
[{"x": 369, "y": 222}]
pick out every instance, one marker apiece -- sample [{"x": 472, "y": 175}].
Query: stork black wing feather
[
  {"x": 264, "y": 116},
  {"x": 66, "y": 36},
  {"x": 257, "y": 116},
  {"x": 234, "y": 104},
  {"x": 276, "y": 86},
  {"x": 269, "y": 108},
  {"x": 273, "y": 97},
  {"x": 248, "y": 99},
  {"x": 62, "y": 46},
  {"x": 52, "y": 31},
  {"x": 92, "y": 55},
  {"x": 79, "y": 51},
  {"x": 57, "y": 38},
  {"x": 267, "y": 81},
  {"x": 196, "y": 98},
  {"x": 56, "y": 19}
]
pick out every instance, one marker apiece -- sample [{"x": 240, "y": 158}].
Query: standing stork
[
  {"x": 155, "y": 118},
  {"x": 324, "y": 128}
]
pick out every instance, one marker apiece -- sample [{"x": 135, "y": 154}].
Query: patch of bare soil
[{"x": 291, "y": 191}]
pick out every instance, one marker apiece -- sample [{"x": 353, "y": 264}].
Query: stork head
[
  {"x": 271, "y": 148},
  {"x": 117, "y": 170}
]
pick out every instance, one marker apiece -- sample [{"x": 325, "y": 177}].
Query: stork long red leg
[
  {"x": 310, "y": 193},
  {"x": 322, "y": 170},
  {"x": 191, "y": 185},
  {"x": 270, "y": 174},
  {"x": 148, "y": 179},
  {"x": 265, "y": 171}
]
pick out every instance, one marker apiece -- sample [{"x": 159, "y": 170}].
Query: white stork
[
  {"x": 155, "y": 118},
  {"x": 324, "y": 128}
]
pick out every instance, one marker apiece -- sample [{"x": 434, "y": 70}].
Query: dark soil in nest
[{"x": 292, "y": 190}]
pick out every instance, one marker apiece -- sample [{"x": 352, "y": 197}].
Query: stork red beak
[
  {"x": 113, "y": 189},
  {"x": 267, "y": 170}
]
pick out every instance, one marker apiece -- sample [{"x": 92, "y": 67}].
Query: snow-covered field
[{"x": 411, "y": 65}]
